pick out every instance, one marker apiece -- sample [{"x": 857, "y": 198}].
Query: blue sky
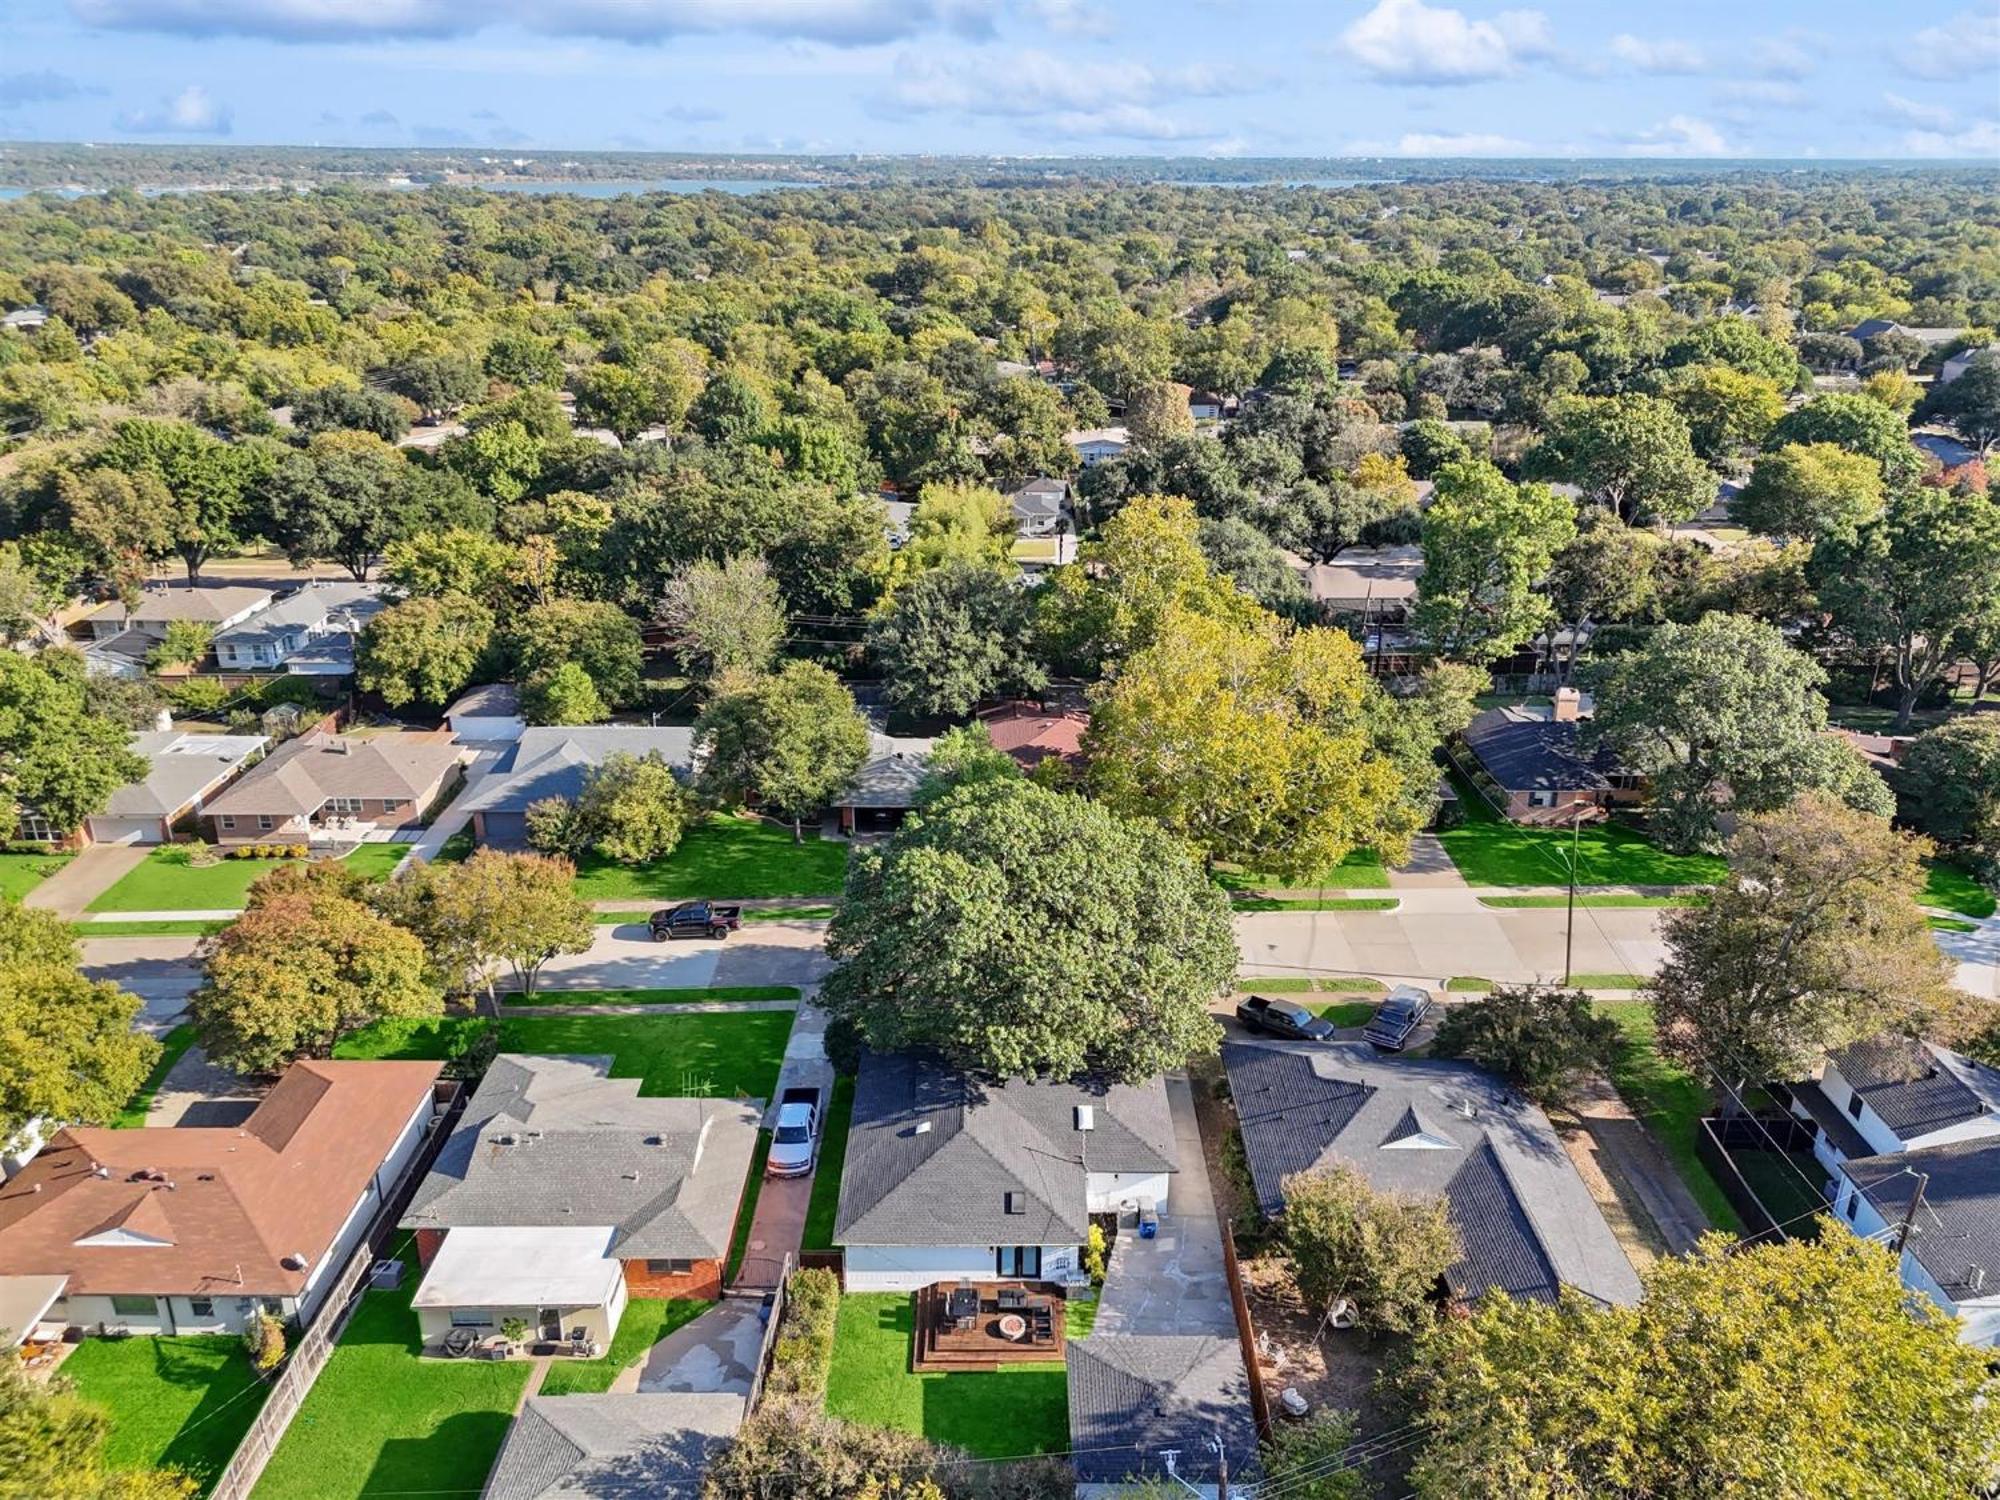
[{"x": 1799, "y": 78}]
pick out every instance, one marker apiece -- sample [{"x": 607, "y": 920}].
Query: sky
[{"x": 1696, "y": 78}]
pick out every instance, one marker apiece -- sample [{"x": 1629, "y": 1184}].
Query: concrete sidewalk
[{"x": 456, "y": 814}]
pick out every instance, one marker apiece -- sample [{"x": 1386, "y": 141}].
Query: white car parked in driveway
[{"x": 795, "y": 1143}]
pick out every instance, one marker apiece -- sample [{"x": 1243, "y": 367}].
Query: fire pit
[{"x": 1013, "y": 1326}]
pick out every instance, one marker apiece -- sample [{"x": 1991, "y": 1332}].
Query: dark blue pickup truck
[{"x": 695, "y": 919}]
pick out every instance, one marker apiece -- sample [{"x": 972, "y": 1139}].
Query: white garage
[{"x": 487, "y": 714}]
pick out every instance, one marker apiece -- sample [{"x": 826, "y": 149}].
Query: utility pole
[
  {"x": 1221, "y": 1466},
  {"x": 1910, "y": 1214},
  {"x": 1569, "y": 927}
]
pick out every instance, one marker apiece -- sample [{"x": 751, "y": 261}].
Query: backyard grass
[
  {"x": 1315, "y": 903},
  {"x": 647, "y": 1320},
  {"x": 1489, "y": 850},
  {"x": 825, "y": 1201},
  {"x": 380, "y": 1420},
  {"x": 166, "y": 882},
  {"x": 1951, "y": 887},
  {"x": 1670, "y": 1100},
  {"x": 1786, "y": 1183},
  {"x": 694, "y": 996},
  {"x": 746, "y": 1206},
  {"x": 175, "y": 1402},
  {"x": 1362, "y": 870},
  {"x": 1016, "y": 1409},
  {"x": 172, "y": 1046},
  {"x": 725, "y": 858},
  {"x": 190, "y": 928},
  {"x": 1079, "y": 1317},
  {"x": 21, "y": 873},
  {"x": 1611, "y": 899}
]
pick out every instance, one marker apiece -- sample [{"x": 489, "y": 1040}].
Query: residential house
[
  {"x": 1377, "y": 584},
  {"x": 183, "y": 772},
  {"x": 949, "y": 1177},
  {"x": 885, "y": 788},
  {"x": 563, "y": 1192},
  {"x": 194, "y": 1229},
  {"x": 1210, "y": 406},
  {"x": 309, "y": 632},
  {"x": 487, "y": 714},
  {"x": 336, "y": 786},
  {"x": 1440, "y": 1130},
  {"x": 25, "y": 319},
  {"x": 1876, "y": 327},
  {"x": 1959, "y": 363},
  {"x": 1890, "y": 1112},
  {"x": 1041, "y": 507},
  {"x": 119, "y": 638},
  {"x": 1531, "y": 759},
  {"x": 1093, "y": 445},
  {"x": 1134, "y": 1396},
  {"x": 555, "y": 761},
  {"x": 614, "y": 1447},
  {"x": 1032, "y": 733}
]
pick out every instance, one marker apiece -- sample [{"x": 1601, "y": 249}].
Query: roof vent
[
  {"x": 509, "y": 1139},
  {"x": 923, "y": 1128},
  {"x": 298, "y": 1260},
  {"x": 1017, "y": 1203},
  {"x": 100, "y": 1171},
  {"x": 1086, "y": 1117}
]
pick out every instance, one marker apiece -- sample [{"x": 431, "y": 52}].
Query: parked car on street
[
  {"x": 1283, "y": 1018},
  {"x": 1398, "y": 1017},
  {"x": 795, "y": 1143},
  {"x": 695, "y": 919}
]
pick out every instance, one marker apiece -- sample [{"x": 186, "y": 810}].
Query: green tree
[
  {"x": 1727, "y": 411},
  {"x": 562, "y": 695},
  {"x": 1382, "y": 1253},
  {"x": 497, "y": 908},
  {"x": 1602, "y": 575},
  {"x": 206, "y": 480},
  {"x": 55, "y": 1445},
  {"x": 1025, "y": 932},
  {"x": 1837, "y": 1383},
  {"x": 1157, "y": 412},
  {"x": 436, "y": 383},
  {"x": 1857, "y": 423},
  {"x": 348, "y": 495},
  {"x": 300, "y": 970},
  {"x": 454, "y": 561},
  {"x": 129, "y": 521},
  {"x": 185, "y": 643},
  {"x": 631, "y": 810},
  {"x": 1815, "y": 940},
  {"x": 794, "y": 739},
  {"x": 1948, "y": 786},
  {"x": 1808, "y": 491},
  {"x": 1630, "y": 454},
  {"x": 1971, "y": 403},
  {"x": 601, "y": 638},
  {"x": 1541, "y": 1041},
  {"x": 618, "y": 398},
  {"x": 729, "y": 409},
  {"x": 1315, "y": 1459},
  {"x": 727, "y": 616},
  {"x": 1487, "y": 543},
  {"x": 953, "y": 636},
  {"x": 957, "y": 523},
  {"x": 1429, "y": 445},
  {"x": 56, "y": 756},
  {"x": 423, "y": 650},
  {"x": 1914, "y": 583},
  {"x": 1724, "y": 705},
  {"x": 331, "y": 408}
]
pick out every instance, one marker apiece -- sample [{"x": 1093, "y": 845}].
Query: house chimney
[{"x": 1569, "y": 705}]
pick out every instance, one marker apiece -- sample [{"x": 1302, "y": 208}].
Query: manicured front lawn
[
  {"x": 825, "y": 1203},
  {"x": 175, "y": 1403},
  {"x": 433, "y": 1039},
  {"x": 1342, "y": 1012},
  {"x": 1670, "y": 1100},
  {"x": 1016, "y": 1409},
  {"x": 721, "y": 992},
  {"x": 724, "y": 858},
  {"x": 1362, "y": 870},
  {"x": 172, "y": 1047},
  {"x": 1489, "y": 850},
  {"x": 1952, "y": 888},
  {"x": 167, "y": 883},
  {"x": 1306, "y": 984},
  {"x": 21, "y": 873},
  {"x": 647, "y": 1320},
  {"x": 380, "y": 1420}
]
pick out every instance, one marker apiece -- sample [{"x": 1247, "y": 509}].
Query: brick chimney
[{"x": 1569, "y": 705}]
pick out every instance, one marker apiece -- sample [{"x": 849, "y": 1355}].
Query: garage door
[{"x": 125, "y": 830}]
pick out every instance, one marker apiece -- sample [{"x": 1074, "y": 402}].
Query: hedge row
[{"x": 803, "y": 1355}]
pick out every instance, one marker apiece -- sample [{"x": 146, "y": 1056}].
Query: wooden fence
[
  {"x": 826, "y": 1260},
  {"x": 301, "y": 1368},
  {"x": 1246, "y": 1333},
  {"x": 774, "y": 1313}
]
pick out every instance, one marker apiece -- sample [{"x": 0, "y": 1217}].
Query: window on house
[
  {"x": 1019, "y": 1261},
  {"x": 1852, "y": 1206},
  {"x": 1854, "y": 1105},
  {"x": 134, "y": 1307},
  {"x": 228, "y": 825},
  {"x": 471, "y": 1317},
  {"x": 669, "y": 1267},
  {"x": 37, "y": 829},
  {"x": 201, "y": 1307},
  {"x": 343, "y": 805},
  {"x": 1541, "y": 799},
  {"x": 263, "y": 823}
]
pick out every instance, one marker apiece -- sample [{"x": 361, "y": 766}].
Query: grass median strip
[
  {"x": 173, "y": 1046},
  {"x": 825, "y": 1202},
  {"x": 1605, "y": 901},
  {"x": 716, "y": 994},
  {"x": 1307, "y": 984},
  {"x": 188, "y": 928},
  {"x": 746, "y": 1210},
  {"x": 1312, "y": 903}
]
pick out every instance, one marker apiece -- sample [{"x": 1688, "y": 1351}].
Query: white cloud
[
  {"x": 190, "y": 112},
  {"x": 841, "y": 22},
  {"x": 1916, "y": 112},
  {"x": 1663, "y": 56},
  {"x": 1796, "y": 54},
  {"x": 1420, "y": 143},
  {"x": 1980, "y": 139},
  {"x": 1042, "y": 84},
  {"x": 1407, "y": 41},
  {"x": 43, "y": 87},
  {"x": 1966, "y": 43},
  {"x": 1678, "y": 135},
  {"x": 1762, "y": 91},
  {"x": 1071, "y": 17}
]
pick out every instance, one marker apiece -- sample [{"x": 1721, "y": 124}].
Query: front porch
[{"x": 973, "y": 1325}]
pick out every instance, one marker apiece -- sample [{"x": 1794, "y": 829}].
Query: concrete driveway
[{"x": 717, "y": 1352}]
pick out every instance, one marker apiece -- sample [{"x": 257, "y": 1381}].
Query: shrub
[
  {"x": 264, "y": 1342},
  {"x": 296, "y": 851},
  {"x": 1382, "y": 1253},
  {"x": 803, "y": 1353},
  {"x": 199, "y": 695},
  {"x": 1093, "y": 1255},
  {"x": 1541, "y": 1041},
  {"x": 791, "y": 1450}
]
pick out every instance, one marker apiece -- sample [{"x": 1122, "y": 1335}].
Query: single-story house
[
  {"x": 118, "y": 640},
  {"x": 487, "y": 714},
  {"x": 554, "y": 761},
  {"x": 1377, "y": 583},
  {"x": 1433, "y": 1129},
  {"x": 1210, "y": 406},
  {"x": 1875, "y": 327},
  {"x": 26, "y": 319},
  {"x": 1958, "y": 364},
  {"x": 1093, "y": 445},
  {"x": 563, "y": 1192},
  {"x": 309, "y": 632},
  {"x": 885, "y": 788},
  {"x": 1888, "y": 1108},
  {"x": 1041, "y": 507},
  {"x": 1032, "y": 733},
  {"x": 657, "y": 1445},
  {"x": 184, "y": 772},
  {"x": 326, "y": 784},
  {"x": 1532, "y": 759},
  {"x": 1133, "y": 1396},
  {"x": 193, "y": 1229},
  {"x": 949, "y": 1177}
]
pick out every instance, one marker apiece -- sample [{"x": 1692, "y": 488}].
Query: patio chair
[{"x": 1012, "y": 1298}]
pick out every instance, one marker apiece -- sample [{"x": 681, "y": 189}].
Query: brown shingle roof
[
  {"x": 1032, "y": 735},
  {"x": 199, "y": 1211},
  {"x": 299, "y": 777}
]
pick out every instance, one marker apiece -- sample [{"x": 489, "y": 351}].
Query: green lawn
[
  {"x": 381, "y": 1421},
  {"x": 433, "y": 1039},
  {"x": 647, "y": 1320},
  {"x": 1615, "y": 899},
  {"x": 167, "y": 883},
  {"x": 1362, "y": 870},
  {"x": 1670, "y": 1100},
  {"x": 172, "y": 1046},
  {"x": 721, "y": 992},
  {"x": 1079, "y": 1317},
  {"x": 1016, "y": 1409},
  {"x": 1315, "y": 903},
  {"x": 725, "y": 858},
  {"x": 1467, "y": 984},
  {"x": 175, "y": 1403},
  {"x": 1607, "y": 981},
  {"x": 1306, "y": 984},
  {"x": 1342, "y": 1012},
  {"x": 1786, "y": 1183},
  {"x": 193, "y": 928},
  {"x": 21, "y": 873},
  {"x": 1952, "y": 888},
  {"x": 746, "y": 1207},
  {"x": 1952, "y": 924},
  {"x": 825, "y": 1202},
  {"x": 1489, "y": 850}
]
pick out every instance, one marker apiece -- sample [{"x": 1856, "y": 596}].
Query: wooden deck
[{"x": 939, "y": 1344}]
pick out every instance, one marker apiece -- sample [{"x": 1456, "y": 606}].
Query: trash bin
[{"x": 1149, "y": 1220}]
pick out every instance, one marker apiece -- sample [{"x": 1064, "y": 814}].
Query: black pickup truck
[
  {"x": 1282, "y": 1018},
  {"x": 695, "y": 919}
]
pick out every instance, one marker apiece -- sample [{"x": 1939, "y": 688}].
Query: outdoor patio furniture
[
  {"x": 962, "y": 1306},
  {"x": 458, "y": 1343},
  {"x": 1012, "y": 1298},
  {"x": 1013, "y": 1327}
]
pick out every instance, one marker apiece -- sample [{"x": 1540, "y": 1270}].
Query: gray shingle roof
[
  {"x": 1433, "y": 1129},
  {"x": 554, "y": 760},
  {"x": 180, "y": 767},
  {"x": 613, "y": 1447},
  {"x": 309, "y": 606},
  {"x": 1832, "y": 1119},
  {"x": 937, "y": 1158},
  {"x": 1526, "y": 752},
  {"x": 1956, "y": 1236},
  {"x": 490, "y": 700},
  {"x": 557, "y": 1141},
  {"x": 1914, "y": 1087},
  {"x": 1131, "y": 1396}
]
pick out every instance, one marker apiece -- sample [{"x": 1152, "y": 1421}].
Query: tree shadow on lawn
[
  {"x": 454, "y": 1458},
  {"x": 212, "y": 1373}
]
